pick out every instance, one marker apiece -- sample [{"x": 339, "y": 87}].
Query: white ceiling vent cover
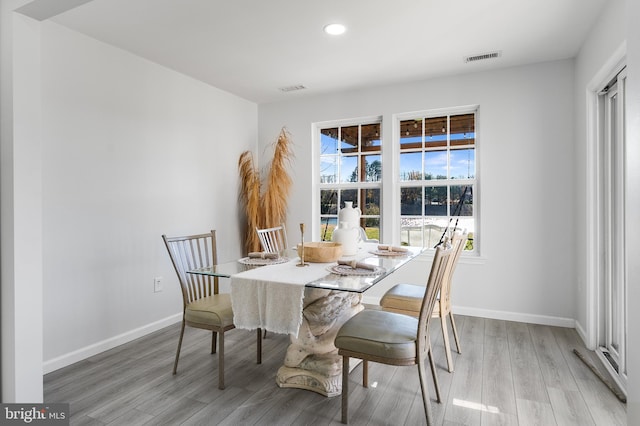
[
  {"x": 483, "y": 56},
  {"x": 292, "y": 88}
]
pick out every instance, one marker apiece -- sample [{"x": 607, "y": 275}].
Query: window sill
[{"x": 465, "y": 258}]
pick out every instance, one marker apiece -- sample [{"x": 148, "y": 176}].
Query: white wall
[
  {"x": 131, "y": 150},
  {"x": 525, "y": 157}
]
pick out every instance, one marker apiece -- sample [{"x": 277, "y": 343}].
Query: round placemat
[
  {"x": 348, "y": 270},
  {"x": 259, "y": 261}
]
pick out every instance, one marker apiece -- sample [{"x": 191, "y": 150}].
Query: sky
[{"x": 462, "y": 160}]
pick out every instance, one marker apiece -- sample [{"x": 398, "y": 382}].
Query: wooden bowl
[{"x": 321, "y": 252}]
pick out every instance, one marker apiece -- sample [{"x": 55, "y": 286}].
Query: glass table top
[{"x": 330, "y": 281}]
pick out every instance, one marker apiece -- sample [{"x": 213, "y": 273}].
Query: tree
[{"x": 372, "y": 172}]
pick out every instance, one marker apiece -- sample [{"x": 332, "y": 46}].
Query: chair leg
[
  {"x": 447, "y": 344},
  {"x": 434, "y": 373},
  {"x": 175, "y": 363},
  {"x": 221, "y": 361},
  {"x": 345, "y": 389},
  {"x": 365, "y": 373},
  {"x": 213, "y": 342},
  {"x": 265, "y": 334},
  {"x": 259, "y": 349},
  {"x": 425, "y": 392},
  {"x": 455, "y": 332}
]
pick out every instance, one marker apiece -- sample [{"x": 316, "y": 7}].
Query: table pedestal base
[
  {"x": 309, "y": 380},
  {"x": 312, "y": 361}
]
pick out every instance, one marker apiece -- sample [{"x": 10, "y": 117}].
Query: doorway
[{"x": 612, "y": 283}]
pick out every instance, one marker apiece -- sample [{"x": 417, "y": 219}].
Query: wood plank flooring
[{"x": 508, "y": 374}]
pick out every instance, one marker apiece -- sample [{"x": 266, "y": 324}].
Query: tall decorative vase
[
  {"x": 348, "y": 237},
  {"x": 350, "y": 215}
]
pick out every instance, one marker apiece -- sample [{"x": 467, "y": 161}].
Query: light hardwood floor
[{"x": 508, "y": 374}]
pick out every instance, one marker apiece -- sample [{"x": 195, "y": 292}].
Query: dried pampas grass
[
  {"x": 278, "y": 183},
  {"x": 269, "y": 208},
  {"x": 250, "y": 198}
]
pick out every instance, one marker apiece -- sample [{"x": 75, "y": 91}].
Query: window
[
  {"x": 431, "y": 187},
  {"x": 350, "y": 170},
  {"x": 437, "y": 177}
]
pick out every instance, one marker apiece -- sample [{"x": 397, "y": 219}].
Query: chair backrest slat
[
  {"x": 458, "y": 242},
  {"x": 437, "y": 276},
  {"x": 273, "y": 240},
  {"x": 192, "y": 252},
  {"x": 195, "y": 260}
]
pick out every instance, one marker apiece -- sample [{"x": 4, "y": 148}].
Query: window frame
[
  {"x": 339, "y": 185},
  {"x": 390, "y": 158},
  {"x": 398, "y": 184}
]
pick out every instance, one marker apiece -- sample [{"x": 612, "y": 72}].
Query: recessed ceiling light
[{"x": 334, "y": 29}]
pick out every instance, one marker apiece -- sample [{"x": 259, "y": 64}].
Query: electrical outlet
[{"x": 157, "y": 284}]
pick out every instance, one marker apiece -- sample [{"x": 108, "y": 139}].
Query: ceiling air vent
[
  {"x": 292, "y": 88},
  {"x": 482, "y": 57}
]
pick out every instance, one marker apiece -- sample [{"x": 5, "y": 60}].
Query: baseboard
[
  {"x": 583, "y": 335},
  {"x": 96, "y": 348},
  {"x": 516, "y": 316},
  {"x": 500, "y": 315}
]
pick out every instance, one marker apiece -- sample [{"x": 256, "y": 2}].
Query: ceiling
[{"x": 253, "y": 48}]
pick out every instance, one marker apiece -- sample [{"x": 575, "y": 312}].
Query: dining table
[{"x": 309, "y": 302}]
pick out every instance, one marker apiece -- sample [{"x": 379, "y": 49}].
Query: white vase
[
  {"x": 348, "y": 237},
  {"x": 350, "y": 215}
]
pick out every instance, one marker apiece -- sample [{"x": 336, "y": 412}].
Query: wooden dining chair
[
  {"x": 365, "y": 238},
  {"x": 407, "y": 298},
  {"x": 203, "y": 306},
  {"x": 394, "y": 339},
  {"x": 273, "y": 240}
]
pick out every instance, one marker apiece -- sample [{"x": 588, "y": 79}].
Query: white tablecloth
[{"x": 270, "y": 297}]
